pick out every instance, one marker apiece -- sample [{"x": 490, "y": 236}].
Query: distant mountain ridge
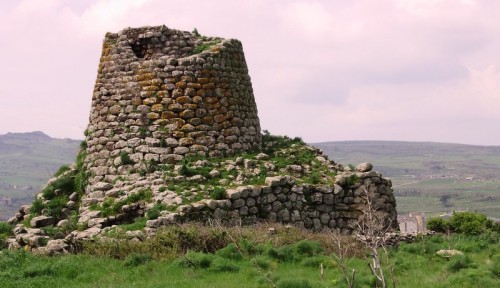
[{"x": 27, "y": 161}]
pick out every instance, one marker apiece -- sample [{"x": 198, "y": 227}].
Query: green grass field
[{"x": 415, "y": 265}]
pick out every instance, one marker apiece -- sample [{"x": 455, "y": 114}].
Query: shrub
[
  {"x": 55, "y": 206},
  {"x": 437, "y": 224},
  {"x": 314, "y": 178},
  {"x": 293, "y": 283},
  {"x": 61, "y": 170},
  {"x": 223, "y": 265},
  {"x": 353, "y": 179},
  {"x": 36, "y": 207},
  {"x": 6, "y": 228},
  {"x": 308, "y": 248},
  {"x": 230, "y": 252},
  {"x": 83, "y": 145},
  {"x": 81, "y": 177},
  {"x": 154, "y": 212},
  {"x": 250, "y": 248},
  {"x": 316, "y": 261},
  {"x": 196, "y": 260},
  {"x": 135, "y": 260},
  {"x": 49, "y": 192},
  {"x": 495, "y": 266},
  {"x": 469, "y": 223},
  {"x": 219, "y": 193},
  {"x": 261, "y": 262},
  {"x": 459, "y": 262},
  {"x": 186, "y": 171},
  {"x": 5, "y": 231},
  {"x": 38, "y": 269},
  {"x": 65, "y": 183},
  {"x": 125, "y": 159}
]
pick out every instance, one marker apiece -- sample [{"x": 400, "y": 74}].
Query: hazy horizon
[{"x": 319, "y": 142}]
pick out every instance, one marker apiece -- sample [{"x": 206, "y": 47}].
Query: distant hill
[
  {"x": 427, "y": 177},
  {"x": 430, "y": 177},
  {"x": 27, "y": 161}
]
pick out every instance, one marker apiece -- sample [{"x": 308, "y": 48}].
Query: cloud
[{"x": 324, "y": 70}]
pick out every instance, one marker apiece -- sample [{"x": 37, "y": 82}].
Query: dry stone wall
[
  {"x": 161, "y": 94},
  {"x": 316, "y": 207}
]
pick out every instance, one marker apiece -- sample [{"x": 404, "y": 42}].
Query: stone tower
[
  {"x": 161, "y": 94},
  {"x": 161, "y": 98}
]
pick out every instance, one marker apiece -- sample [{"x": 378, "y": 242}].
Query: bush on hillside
[{"x": 468, "y": 223}]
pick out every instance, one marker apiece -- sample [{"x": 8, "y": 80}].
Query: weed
[
  {"x": 154, "y": 212},
  {"x": 61, "y": 170},
  {"x": 219, "y": 193},
  {"x": 125, "y": 158},
  {"x": 135, "y": 260},
  {"x": 460, "y": 262},
  {"x": 223, "y": 265},
  {"x": 353, "y": 179}
]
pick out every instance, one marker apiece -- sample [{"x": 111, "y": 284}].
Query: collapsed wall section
[
  {"x": 161, "y": 94},
  {"x": 315, "y": 207}
]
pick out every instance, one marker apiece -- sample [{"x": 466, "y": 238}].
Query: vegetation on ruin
[{"x": 277, "y": 157}]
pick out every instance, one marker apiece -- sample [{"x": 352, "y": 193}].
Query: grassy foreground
[{"x": 197, "y": 256}]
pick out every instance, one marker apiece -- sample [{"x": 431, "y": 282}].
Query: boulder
[
  {"x": 57, "y": 246},
  {"x": 42, "y": 221},
  {"x": 449, "y": 252},
  {"x": 364, "y": 167}
]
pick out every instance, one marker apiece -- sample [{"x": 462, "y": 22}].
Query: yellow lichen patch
[
  {"x": 178, "y": 122},
  {"x": 157, "y": 108},
  {"x": 208, "y": 86},
  {"x": 183, "y": 100},
  {"x": 162, "y": 93},
  {"x": 136, "y": 101},
  {"x": 168, "y": 115},
  {"x": 211, "y": 100},
  {"x": 201, "y": 92},
  {"x": 190, "y": 106},
  {"x": 186, "y": 114},
  {"x": 161, "y": 122},
  {"x": 150, "y": 101},
  {"x": 194, "y": 85},
  {"x": 180, "y": 85},
  {"x": 208, "y": 120},
  {"x": 175, "y": 107},
  {"x": 153, "y": 115},
  {"x": 157, "y": 82},
  {"x": 150, "y": 88},
  {"x": 187, "y": 79},
  {"x": 219, "y": 118}
]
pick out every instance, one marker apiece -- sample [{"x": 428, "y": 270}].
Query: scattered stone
[
  {"x": 364, "y": 167},
  {"x": 449, "y": 253},
  {"x": 57, "y": 246},
  {"x": 42, "y": 221}
]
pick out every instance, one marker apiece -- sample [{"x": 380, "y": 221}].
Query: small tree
[
  {"x": 372, "y": 228},
  {"x": 342, "y": 258}
]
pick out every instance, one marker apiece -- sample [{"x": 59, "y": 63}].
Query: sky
[{"x": 325, "y": 70}]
